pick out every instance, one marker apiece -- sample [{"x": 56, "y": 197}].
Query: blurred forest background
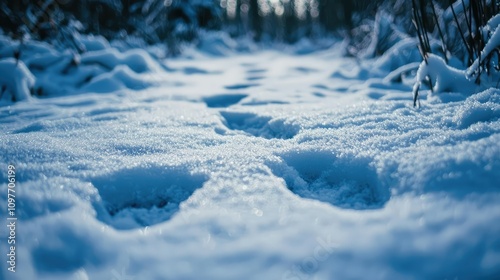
[{"x": 370, "y": 27}]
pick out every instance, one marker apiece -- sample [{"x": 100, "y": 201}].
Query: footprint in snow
[
  {"x": 346, "y": 182},
  {"x": 256, "y": 71},
  {"x": 240, "y": 86},
  {"x": 259, "y": 126},
  {"x": 144, "y": 196},
  {"x": 223, "y": 100}
]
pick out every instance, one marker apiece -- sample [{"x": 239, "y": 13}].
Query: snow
[
  {"x": 261, "y": 165},
  {"x": 100, "y": 68},
  {"x": 93, "y": 43},
  {"x": 16, "y": 79},
  {"x": 137, "y": 60},
  {"x": 490, "y": 46},
  {"x": 122, "y": 77},
  {"x": 443, "y": 78}
]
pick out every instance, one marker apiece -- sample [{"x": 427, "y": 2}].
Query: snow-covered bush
[
  {"x": 33, "y": 68},
  {"x": 484, "y": 61},
  {"x": 374, "y": 34},
  {"x": 154, "y": 21},
  {"x": 478, "y": 49},
  {"x": 16, "y": 81},
  {"x": 441, "y": 77}
]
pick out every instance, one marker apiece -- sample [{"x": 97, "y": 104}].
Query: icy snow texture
[{"x": 259, "y": 166}]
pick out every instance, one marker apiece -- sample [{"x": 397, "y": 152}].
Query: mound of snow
[
  {"x": 217, "y": 43},
  {"x": 16, "y": 79},
  {"x": 443, "y": 78},
  {"x": 481, "y": 107},
  {"x": 28, "y": 49},
  {"x": 120, "y": 78},
  {"x": 93, "y": 43},
  {"x": 51, "y": 72},
  {"x": 137, "y": 60}
]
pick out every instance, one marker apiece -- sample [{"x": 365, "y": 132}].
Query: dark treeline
[
  {"x": 289, "y": 20},
  {"x": 174, "y": 21},
  {"x": 157, "y": 20}
]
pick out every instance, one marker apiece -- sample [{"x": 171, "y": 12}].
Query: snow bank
[
  {"x": 93, "y": 43},
  {"x": 122, "y": 77},
  {"x": 100, "y": 68},
  {"x": 28, "y": 50},
  {"x": 137, "y": 60}
]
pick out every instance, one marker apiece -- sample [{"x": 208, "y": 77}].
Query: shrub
[{"x": 467, "y": 30}]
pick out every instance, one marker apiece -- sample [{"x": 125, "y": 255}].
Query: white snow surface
[{"x": 251, "y": 166}]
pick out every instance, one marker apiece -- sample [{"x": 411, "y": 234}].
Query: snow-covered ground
[{"x": 252, "y": 166}]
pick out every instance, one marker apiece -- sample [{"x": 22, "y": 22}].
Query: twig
[
  {"x": 443, "y": 44},
  {"x": 462, "y": 34}
]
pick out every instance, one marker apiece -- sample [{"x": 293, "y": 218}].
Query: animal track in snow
[
  {"x": 346, "y": 182},
  {"x": 259, "y": 126},
  {"x": 144, "y": 196},
  {"x": 223, "y": 100},
  {"x": 240, "y": 86}
]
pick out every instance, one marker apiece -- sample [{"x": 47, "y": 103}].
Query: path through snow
[{"x": 261, "y": 166}]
